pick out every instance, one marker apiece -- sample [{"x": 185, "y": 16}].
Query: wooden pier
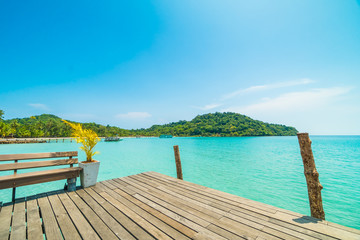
[
  {"x": 19, "y": 141},
  {"x": 154, "y": 206}
]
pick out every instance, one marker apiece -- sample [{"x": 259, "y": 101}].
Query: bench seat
[{"x": 23, "y": 179}]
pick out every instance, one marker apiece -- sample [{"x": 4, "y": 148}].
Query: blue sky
[{"x": 137, "y": 63}]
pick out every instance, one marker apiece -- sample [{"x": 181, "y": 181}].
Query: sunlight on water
[{"x": 265, "y": 169}]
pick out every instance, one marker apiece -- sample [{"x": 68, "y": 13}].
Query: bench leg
[
  {"x": 71, "y": 184},
  {"x": 13, "y": 194}
]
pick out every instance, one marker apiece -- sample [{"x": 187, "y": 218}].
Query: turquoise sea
[{"x": 265, "y": 169}]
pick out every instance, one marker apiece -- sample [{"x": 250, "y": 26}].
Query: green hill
[
  {"x": 212, "y": 124},
  {"x": 220, "y": 124},
  {"x": 48, "y": 125}
]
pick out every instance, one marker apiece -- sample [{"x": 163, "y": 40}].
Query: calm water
[{"x": 265, "y": 169}]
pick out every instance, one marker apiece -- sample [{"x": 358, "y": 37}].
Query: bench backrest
[
  {"x": 30, "y": 156},
  {"x": 17, "y": 180}
]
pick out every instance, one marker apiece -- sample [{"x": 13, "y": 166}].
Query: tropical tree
[
  {"x": 14, "y": 125},
  {"x": 4, "y": 129}
]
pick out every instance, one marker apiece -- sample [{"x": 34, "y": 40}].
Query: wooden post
[
  {"x": 312, "y": 177},
  {"x": 178, "y": 162}
]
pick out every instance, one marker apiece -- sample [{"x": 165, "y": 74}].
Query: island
[{"x": 227, "y": 124}]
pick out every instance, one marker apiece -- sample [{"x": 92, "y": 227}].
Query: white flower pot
[{"x": 88, "y": 176}]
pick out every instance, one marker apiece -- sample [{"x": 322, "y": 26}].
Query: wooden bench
[{"x": 23, "y": 179}]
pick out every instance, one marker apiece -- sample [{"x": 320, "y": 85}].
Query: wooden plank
[
  {"x": 349, "y": 229},
  {"x": 251, "y": 203},
  {"x": 223, "y": 232},
  {"x": 18, "y": 226},
  {"x": 34, "y": 225},
  {"x": 38, "y": 164},
  {"x": 246, "y": 209},
  {"x": 148, "y": 206},
  {"x": 299, "y": 229},
  {"x": 119, "y": 184},
  {"x": 98, "y": 187},
  {"x": 121, "y": 197},
  {"x": 194, "y": 197},
  {"x": 5, "y": 220},
  {"x": 197, "y": 210},
  {"x": 324, "y": 229},
  {"x": 230, "y": 198},
  {"x": 186, "y": 218},
  {"x": 66, "y": 225},
  {"x": 272, "y": 228},
  {"x": 176, "y": 225},
  {"x": 28, "y": 156},
  {"x": 319, "y": 227},
  {"x": 259, "y": 218},
  {"x": 114, "y": 183},
  {"x": 51, "y": 228},
  {"x": 82, "y": 225},
  {"x": 250, "y": 210},
  {"x": 156, "y": 233},
  {"x": 223, "y": 201},
  {"x": 198, "y": 199},
  {"x": 181, "y": 201},
  {"x": 180, "y": 218},
  {"x": 24, "y": 179},
  {"x": 117, "y": 228},
  {"x": 255, "y": 217},
  {"x": 162, "y": 199},
  {"x": 108, "y": 185},
  {"x": 259, "y": 227},
  {"x": 100, "y": 227},
  {"x": 124, "y": 220},
  {"x": 203, "y": 197},
  {"x": 242, "y": 222},
  {"x": 126, "y": 193},
  {"x": 244, "y": 229},
  {"x": 246, "y": 216}
]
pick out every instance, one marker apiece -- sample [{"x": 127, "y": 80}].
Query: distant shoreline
[
  {"x": 45, "y": 139},
  {"x": 70, "y": 138}
]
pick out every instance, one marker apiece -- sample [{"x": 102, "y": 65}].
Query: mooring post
[
  {"x": 312, "y": 176},
  {"x": 178, "y": 162}
]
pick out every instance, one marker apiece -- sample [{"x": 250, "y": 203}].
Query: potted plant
[{"x": 88, "y": 139}]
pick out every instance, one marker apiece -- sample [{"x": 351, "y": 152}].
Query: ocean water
[{"x": 264, "y": 169}]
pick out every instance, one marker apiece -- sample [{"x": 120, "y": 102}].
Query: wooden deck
[{"x": 154, "y": 206}]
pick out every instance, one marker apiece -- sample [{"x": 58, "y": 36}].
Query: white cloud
[
  {"x": 293, "y": 101},
  {"x": 267, "y": 87},
  {"x": 133, "y": 115},
  {"x": 209, "y": 106},
  {"x": 39, "y": 106},
  {"x": 82, "y": 116}
]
